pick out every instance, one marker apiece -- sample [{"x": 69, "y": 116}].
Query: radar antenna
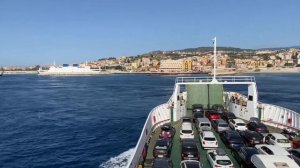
[{"x": 215, "y": 59}]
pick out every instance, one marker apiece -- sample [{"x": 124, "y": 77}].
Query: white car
[
  {"x": 271, "y": 150},
  {"x": 273, "y": 161},
  {"x": 237, "y": 125},
  {"x": 208, "y": 140},
  {"x": 190, "y": 164},
  {"x": 186, "y": 131},
  {"x": 278, "y": 139},
  {"x": 218, "y": 158}
]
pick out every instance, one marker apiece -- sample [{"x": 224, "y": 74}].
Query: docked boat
[
  {"x": 69, "y": 69},
  {"x": 208, "y": 91}
]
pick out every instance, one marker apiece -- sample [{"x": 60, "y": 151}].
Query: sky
[{"x": 37, "y": 32}]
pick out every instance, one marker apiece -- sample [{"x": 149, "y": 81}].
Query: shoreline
[{"x": 162, "y": 73}]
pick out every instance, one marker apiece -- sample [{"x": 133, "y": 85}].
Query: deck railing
[
  {"x": 280, "y": 117},
  {"x": 157, "y": 117},
  {"x": 219, "y": 79}
]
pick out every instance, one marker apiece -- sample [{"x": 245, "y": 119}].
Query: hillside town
[
  {"x": 201, "y": 62},
  {"x": 193, "y": 61}
]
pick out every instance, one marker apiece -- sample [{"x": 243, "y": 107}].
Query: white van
[
  {"x": 273, "y": 161},
  {"x": 203, "y": 124},
  {"x": 186, "y": 131},
  {"x": 271, "y": 150}
]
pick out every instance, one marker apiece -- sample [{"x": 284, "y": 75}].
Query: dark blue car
[{"x": 232, "y": 139}]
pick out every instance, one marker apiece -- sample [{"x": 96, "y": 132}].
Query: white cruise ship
[{"x": 69, "y": 69}]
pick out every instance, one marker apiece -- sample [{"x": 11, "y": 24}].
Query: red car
[
  {"x": 212, "y": 115},
  {"x": 296, "y": 144}
]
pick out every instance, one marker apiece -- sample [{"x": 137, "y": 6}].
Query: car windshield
[
  {"x": 161, "y": 147},
  {"x": 209, "y": 139},
  {"x": 241, "y": 124},
  {"x": 224, "y": 162},
  {"x": 223, "y": 125},
  {"x": 187, "y": 131},
  {"x": 234, "y": 136},
  {"x": 198, "y": 115},
  {"x": 205, "y": 124},
  {"x": 283, "y": 141},
  {"x": 192, "y": 165}
]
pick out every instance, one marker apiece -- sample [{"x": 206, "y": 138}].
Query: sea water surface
[{"x": 94, "y": 121}]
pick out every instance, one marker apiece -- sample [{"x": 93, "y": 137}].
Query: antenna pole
[{"x": 215, "y": 58}]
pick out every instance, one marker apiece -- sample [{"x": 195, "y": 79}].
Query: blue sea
[{"x": 94, "y": 121}]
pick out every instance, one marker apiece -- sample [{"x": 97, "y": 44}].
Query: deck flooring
[{"x": 176, "y": 148}]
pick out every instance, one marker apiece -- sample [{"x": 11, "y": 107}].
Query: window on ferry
[
  {"x": 283, "y": 141},
  {"x": 250, "y": 98}
]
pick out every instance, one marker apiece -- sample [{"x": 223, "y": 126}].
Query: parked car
[
  {"x": 218, "y": 158},
  {"x": 243, "y": 156},
  {"x": 208, "y": 140},
  {"x": 212, "y": 115},
  {"x": 186, "y": 131},
  {"x": 203, "y": 124},
  {"x": 296, "y": 144},
  {"x": 196, "y": 115},
  {"x": 162, "y": 163},
  {"x": 278, "y": 139},
  {"x": 220, "y": 125},
  {"x": 189, "y": 150},
  {"x": 190, "y": 164},
  {"x": 254, "y": 119},
  {"x": 197, "y": 107},
  {"x": 289, "y": 134},
  {"x": 228, "y": 115},
  {"x": 295, "y": 153},
  {"x": 251, "y": 138},
  {"x": 232, "y": 139},
  {"x": 273, "y": 161},
  {"x": 167, "y": 132},
  {"x": 258, "y": 127},
  {"x": 271, "y": 150},
  {"x": 237, "y": 125},
  {"x": 186, "y": 119},
  {"x": 162, "y": 149}
]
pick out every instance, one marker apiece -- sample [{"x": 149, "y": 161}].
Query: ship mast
[{"x": 215, "y": 59}]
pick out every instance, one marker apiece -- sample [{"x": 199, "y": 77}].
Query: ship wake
[{"x": 119, "y": 161}]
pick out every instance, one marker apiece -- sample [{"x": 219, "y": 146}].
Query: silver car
[{"x": 220, "y": 125}]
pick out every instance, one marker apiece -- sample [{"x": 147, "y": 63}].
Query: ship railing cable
[{"x": 219, "y": 79}]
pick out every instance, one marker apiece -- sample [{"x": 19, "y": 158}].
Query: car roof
[
  {"x": 238, "y": 120},
  {"x": 251, "y": 133},
  {"x": 208, "y": 134},
  {"x": 277, "y": 150},
  {"x": 220, "y": 121},
  {"x": 188, "y": 143},
  {"x": 203, "y": 119},
  {"x": 273, "y": 161},
  {"x": 278, "y": 135}
]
